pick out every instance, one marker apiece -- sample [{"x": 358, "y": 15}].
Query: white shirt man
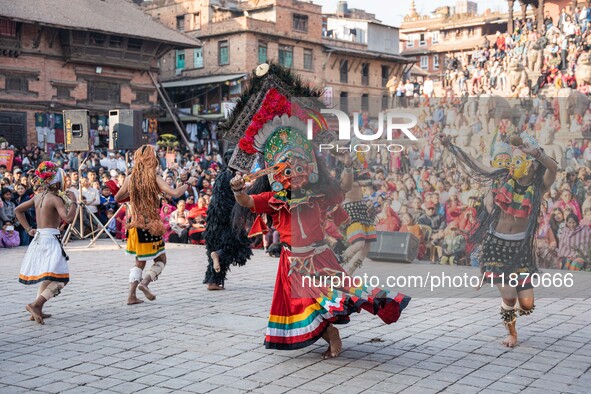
[
  {"x": 121, "y": 166},
  {"x": 428, "y": 87}
]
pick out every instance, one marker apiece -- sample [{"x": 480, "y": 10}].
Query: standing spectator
[
  {"x": 428, "y": 87},
  {"x": 19, "y": 198},
  {"x": 7, "y": 211},
  {"x": 91, "y": 195}
]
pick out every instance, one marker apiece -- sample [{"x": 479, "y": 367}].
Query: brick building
[
  {"x": 239, "y": 35},
  {"x": 75, "y": 54},
  {"x": 436, "y": 40}
]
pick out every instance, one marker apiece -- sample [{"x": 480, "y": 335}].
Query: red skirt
[{"x": 304, "y": 304}]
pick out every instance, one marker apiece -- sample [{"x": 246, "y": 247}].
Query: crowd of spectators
[
  {"x": 485, "y": 69},
  {"x": 87, "y": 176},
  {"x": 420, "y": 190}
]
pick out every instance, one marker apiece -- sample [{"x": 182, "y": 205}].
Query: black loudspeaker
[
  {"x": 126, "y": 129},
  {"x": 394, "y": 247},
  {"x": 76, "y": 130}
]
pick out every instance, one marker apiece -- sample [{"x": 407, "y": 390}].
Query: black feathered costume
[{"x": 231, "y": 243}]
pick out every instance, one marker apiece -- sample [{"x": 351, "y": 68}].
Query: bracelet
[{"x": 238, "y": 192}]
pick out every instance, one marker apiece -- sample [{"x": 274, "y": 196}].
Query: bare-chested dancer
[
  {"x": 144, "y": 188},
  {"x": 45, "y": 261}
]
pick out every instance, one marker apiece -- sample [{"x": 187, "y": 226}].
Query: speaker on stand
[
  {"x": 127, "y": 129},
  {"x": 77, "y": 130}
]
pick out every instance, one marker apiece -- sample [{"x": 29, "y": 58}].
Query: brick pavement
[{"x": 193, "y": 341}]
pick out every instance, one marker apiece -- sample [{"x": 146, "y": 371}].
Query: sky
[{"x": 397, "y": 9}]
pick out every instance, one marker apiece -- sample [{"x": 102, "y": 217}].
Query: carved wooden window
[
  {"x": 17, "y": 84},
  {"x": 97, "y": 39},
  {"x": 104, "y": 91},
  {"x": 7, "y": 28},
  {"x": 62, "y": 92},
  {"x": 142, "y": 97}
]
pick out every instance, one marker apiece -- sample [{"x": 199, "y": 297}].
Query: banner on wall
[{"x": 6, "y": 158}]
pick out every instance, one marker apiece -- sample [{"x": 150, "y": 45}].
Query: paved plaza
[{"x": 196, "y": 341}]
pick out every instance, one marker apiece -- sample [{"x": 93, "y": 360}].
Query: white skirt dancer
[{"x": 45, "y": 259}]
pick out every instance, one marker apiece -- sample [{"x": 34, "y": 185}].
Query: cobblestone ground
[{"x": 195, "y": 341}]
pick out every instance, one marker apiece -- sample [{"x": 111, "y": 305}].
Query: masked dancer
[
  {"x": 297, "y": 194},
  {"x": 226, "y": 245},
  {"x": 509, "y": 219}
]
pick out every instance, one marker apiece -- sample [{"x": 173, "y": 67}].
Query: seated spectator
[
  {"x": 453, "y": 206},
  {"x": 197, "y": 230},
  {"x": 388, "y": 220},
  {"x": 557, "y": 222},
  {"x": 112, "y": 226},
  {"x": 545, "y": 243},
  {"x": 586, "y": 217},
  {"x": 190, "y": 202},
  {"x": 453, "y": 246},
  {"x": 165, "y": 212},
  {"x": 574, "y": 245},
  {"x": 180, "y": 224},
  {"x": 408, "y": 226},
  {"x": 467, "y": 218},
  {"x": 9, "y": 238},
  {"x": 567, "y": 200}
]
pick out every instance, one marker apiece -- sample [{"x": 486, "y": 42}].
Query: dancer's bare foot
[
  {"x": 510, "y": 341},
  {"x": 335, "y": 345},
  {"x": 43, "y": 315},
  {"x": 36, "y": 312},
  {"x": 216, "y": 262},
  {"x": 132, "y": 300},
  {"x": 214, "y": 286},
  {"x": 144, "y": 289}
]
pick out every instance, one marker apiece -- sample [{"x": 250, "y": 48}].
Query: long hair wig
[{"x": 144, "y": 193}]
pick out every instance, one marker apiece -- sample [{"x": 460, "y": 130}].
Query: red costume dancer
[{"x": 297, "y": 197}]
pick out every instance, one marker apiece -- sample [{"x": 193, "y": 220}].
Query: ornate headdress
[
  {"x": 275, "y": 99},
  {"x": 49, "y": 174},
  {"x": 500, "y": 156}
]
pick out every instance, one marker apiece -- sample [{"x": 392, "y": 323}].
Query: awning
[
  {"x": 202, "y": 81},
  {"x": 369, "y": 54},
  {"x": 192, "y": 118},
  {"x": 418, "y": 71}
]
